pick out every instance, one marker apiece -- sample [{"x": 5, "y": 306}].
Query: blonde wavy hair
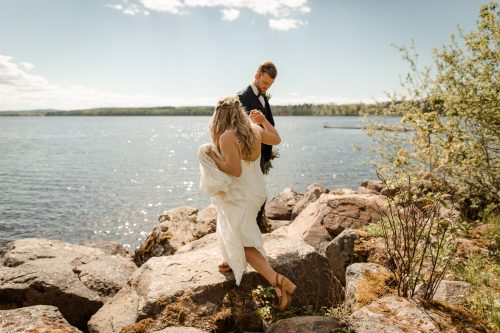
[{"x": 229, "y": 115}]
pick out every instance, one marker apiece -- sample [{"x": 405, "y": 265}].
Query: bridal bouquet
[{"x": 269, "y": 165}]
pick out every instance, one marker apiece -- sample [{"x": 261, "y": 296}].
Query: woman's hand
[
  {"x": 211, "y": 153},
  {"x": 256, "y": 117}
]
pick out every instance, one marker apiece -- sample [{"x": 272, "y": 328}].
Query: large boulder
[
  {"x": 470, "y": 248},
  {"x": 37, "y": 319},
  {"x": 281, "y": 206},
  {"x": 76, "y": 279},
  {"x": 372, "y": 185},
  {"x": 186, "y": 289},
  {"x": 393, "y": 314},
  {"x": 453, "y": 293},
  {"x": 316, "y": 324},
  {"x": 176, "y": 227},
  {"x": 323, "y": 220},
  {"x": 340, "y": 253},
  {"x": 313, "y": 192},
  {"x": 371, "y": 249},
  {"x": 365, "y": 282},
  {"x": 111, "y": 248},
  {"x": 180, "y": 329}
]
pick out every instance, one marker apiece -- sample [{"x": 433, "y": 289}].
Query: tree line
[{"x": 357, "y": 109}]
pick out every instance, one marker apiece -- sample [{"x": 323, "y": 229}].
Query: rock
[
  {"x": 373, "y": 185},
  {"x": 342, "y": 191},
  {"x": 37, "y": 319},
  {"x": 312, "y": 194},
  {"x": 197, "y": 244},
  {"x": 482, "y": 230},
  {"x": 77, "y": 279},
  {"x": 280, "y": 207},
  {"x": 175, "y": 228},
  {"x": 276, "y": 224},
  {"x": 389, "y": 192},
  {"x": 365, "y": 282},
  {"x": 340, "y": 252},
  {"x": 308, "y": 226},
  {"x": 111, "y": 248},
  {"x": 187, "y": 289},
  {"x": 364, "y": 190},
  {"x": 449, "y": 214},
  {"x": 453, "y": 293},
  {"x": 362, "y": 234},
  {"x": 316, "y": 324},
  {"x": 468, "y": 248},
  {"x": 393, "y": 314},
  {"x": 371, "y": 250},
  {"x": 180, "y": 329},
  {"x": 323, "y": 220}
]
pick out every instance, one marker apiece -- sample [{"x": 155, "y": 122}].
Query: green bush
[{"x": 453, "y": 111}]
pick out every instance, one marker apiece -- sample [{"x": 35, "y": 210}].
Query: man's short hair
[{"x": 269, "y": 68}]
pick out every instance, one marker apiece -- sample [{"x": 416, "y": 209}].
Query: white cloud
[
  {"x": 169, "y": 6},
  {"x": 285, "y": 24},
  {"x": 230, "y": 14},
  {"x": 117, "y": 7},
  {"x": 281, "y": 11},
  {"x": 131, "y": 10},
  {"x": 127, "y": 9},
  {"x": 22, "y": 91},
  {"x": 276, "y": 8},
  {"x": 27, "y": 65}
]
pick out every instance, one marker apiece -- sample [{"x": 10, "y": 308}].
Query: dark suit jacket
[{"x": 250, "y": 102}]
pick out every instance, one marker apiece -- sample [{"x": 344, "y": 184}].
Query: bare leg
[{"x": 260, "y": 264}]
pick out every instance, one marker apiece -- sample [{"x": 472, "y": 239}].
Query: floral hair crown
[{"x": 228, "y": 103}]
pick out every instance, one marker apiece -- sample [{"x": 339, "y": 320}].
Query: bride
[{"x": 238, "y": 138}]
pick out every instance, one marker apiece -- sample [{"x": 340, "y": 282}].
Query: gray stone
[
  {"x": 191, "y": 281},
  {"x": 280, "y": 207},
  {"x": 176, "y": 227},
  {"x": 313, "y": 192},
  {"x": 373, "y": 250},
  {"x": 36, "y": 319},
  {"x": 316, "y": 324},
  {"x": 365, "y": 282},
  {"x": 321, "y": 221},
  {"x": 276, "y": 224},
  {"x": 197, "y": 244},
  {"x": 180, "y": 329},
  {"x": 111, "y": 248},
  {"x": 340, "y": 253},
  {"x": 373, "y": 185},
  {"x": 77, "y": 279},
  {"x": 452, "y": 292},
  {"x": 395, "y": 314}
]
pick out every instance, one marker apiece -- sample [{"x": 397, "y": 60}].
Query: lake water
[{"x": 80, "y": 179}]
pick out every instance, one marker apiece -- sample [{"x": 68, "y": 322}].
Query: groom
[{"x": 254, "y": 97}]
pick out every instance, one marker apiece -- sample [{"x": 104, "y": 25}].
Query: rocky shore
[{"x": 172, "y": 284}]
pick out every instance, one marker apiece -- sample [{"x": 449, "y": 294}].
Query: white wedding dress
[{"x": 238, "y": 200}]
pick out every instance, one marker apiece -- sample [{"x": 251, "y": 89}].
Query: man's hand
[{"x": 256, "y": 117}]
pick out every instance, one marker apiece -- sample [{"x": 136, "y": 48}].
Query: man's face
[{"x": 263, "y": 82}]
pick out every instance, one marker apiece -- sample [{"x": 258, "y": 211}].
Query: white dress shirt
[{"x": 256, "y": 92}]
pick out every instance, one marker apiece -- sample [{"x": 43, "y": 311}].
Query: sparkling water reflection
[{"x": 86, "y": 178}]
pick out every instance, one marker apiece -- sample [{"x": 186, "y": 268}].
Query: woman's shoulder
[{"x": 228, "y": 135}]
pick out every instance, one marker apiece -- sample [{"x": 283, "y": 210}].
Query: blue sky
[{"x": 68, "y": 54}]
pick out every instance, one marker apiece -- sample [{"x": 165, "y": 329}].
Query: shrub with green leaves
[{"x": 453, "y": 112}]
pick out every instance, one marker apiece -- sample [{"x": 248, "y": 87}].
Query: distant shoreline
[{"x": 278, "y": 110}]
